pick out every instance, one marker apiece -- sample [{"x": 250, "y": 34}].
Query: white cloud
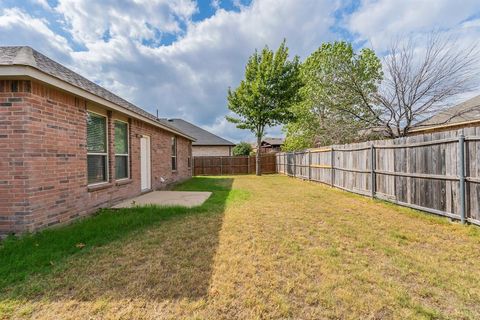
[
  {"x": 190, "y": 77},
  {"x": 19, "y": 28},
  {"x": 43, "y": 3},
  {"x": 215, "y": 4},
  {"x": 89, "y": 21},
  {"x": 471, "y": 24},
  {"x": 378, "y": 21}
]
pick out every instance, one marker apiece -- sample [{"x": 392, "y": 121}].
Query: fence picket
[{"x": 214, "y": 165}]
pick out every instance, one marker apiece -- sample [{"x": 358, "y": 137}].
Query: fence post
[
  {"x": 248, "y": 164},
  {"x": 372, "y": 168},
  {"x": 461, "y": 175},
  {"x": 294, "y": 164},
  {"x": 309, "y": 165},
  {"x": 332, "y": 165},
  {"x": 221, "y": 166}
]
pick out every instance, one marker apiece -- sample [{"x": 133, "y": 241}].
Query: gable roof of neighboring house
[
  {"x": 202, "y": 136},
  {"x": 274, "y": 141},
  {"x": 270, "y": 141},
  {"x": 25, "y": 61},
  {"x": 465, "y": 113}
]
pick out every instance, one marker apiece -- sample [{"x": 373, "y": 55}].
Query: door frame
[{"x": 149, "y": 164}]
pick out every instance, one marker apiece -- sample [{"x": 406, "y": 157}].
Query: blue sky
[{"x": 180, "y": 56}]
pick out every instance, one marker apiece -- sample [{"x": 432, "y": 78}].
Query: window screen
[
  {"x": 96, "y": 168},
  {"x": 121, "y": 150},
  {"x": 96, "y": 134},
  {"x": 96, "y": 148}
]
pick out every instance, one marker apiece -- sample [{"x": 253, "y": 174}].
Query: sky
[{"x": 181, "y": 56}]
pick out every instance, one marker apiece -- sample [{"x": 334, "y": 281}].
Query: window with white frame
[
  {"x": 174, "y": 153},
  {"x": 97, "y": 152},
  {"x": 121, "y": 150}
]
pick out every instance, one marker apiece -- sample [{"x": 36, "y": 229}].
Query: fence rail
[
  {"x": 434, "y": 172},
  {"x": 231, "y": 165}
]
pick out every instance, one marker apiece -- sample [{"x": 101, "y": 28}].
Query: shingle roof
[
  {"x": 274, "y": 141},
  {"x": 270, "y": 141},
  {"x": 467, "y": 111},
  {"x": 27, "y": 56},
  {"x": 203, "y": 137}
]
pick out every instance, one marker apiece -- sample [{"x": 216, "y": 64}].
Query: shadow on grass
[{"x": 77, "y": 261}]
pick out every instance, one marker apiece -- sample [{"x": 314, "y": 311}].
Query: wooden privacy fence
[
  {"x": 434, "y": 172},
  {"x": 231, "y": 165}
]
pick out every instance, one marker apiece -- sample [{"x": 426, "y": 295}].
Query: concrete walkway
[{"x": 167, "y": 198}]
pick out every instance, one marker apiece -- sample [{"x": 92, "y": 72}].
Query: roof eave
[
  {"x": 449, "y": 125},
  {"x": 15, "y": 70}
]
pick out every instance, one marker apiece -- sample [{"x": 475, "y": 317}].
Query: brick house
[{"x": 69, "y": 147}]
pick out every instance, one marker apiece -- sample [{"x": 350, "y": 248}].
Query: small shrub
[{"x": 242, "y": 149}]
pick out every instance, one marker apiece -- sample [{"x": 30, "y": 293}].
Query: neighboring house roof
[
  {"x": 274, "y": 141},
  {"x": 202, "y": 136},
  {"x": 270, "y": 141},
  {"x": 461, "y": 114},
  {"x": 30, "y": 58}
]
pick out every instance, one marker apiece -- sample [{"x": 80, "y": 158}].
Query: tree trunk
[{"x": 257, "y": 156}]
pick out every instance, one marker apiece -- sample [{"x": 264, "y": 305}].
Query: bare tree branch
[{"x": 422, "y": 80}]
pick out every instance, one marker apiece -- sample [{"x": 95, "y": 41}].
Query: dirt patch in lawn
[{"x": 263, "y": 247}]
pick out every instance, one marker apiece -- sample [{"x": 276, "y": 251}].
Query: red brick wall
[
  {"x": 14, "y": 120},
  {"x": 44, "y": 178}
]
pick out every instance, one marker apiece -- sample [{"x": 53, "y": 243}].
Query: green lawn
[{"x": 260, "y": 247}]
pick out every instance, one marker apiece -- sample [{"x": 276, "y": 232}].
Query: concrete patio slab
[{"x": 166, "y": 198}]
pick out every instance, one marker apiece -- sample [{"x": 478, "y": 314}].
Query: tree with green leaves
[
  {"x": 335, "y": 101},
  {"x": 242, "y": 149},
  {"x": 266, "y": 94}
]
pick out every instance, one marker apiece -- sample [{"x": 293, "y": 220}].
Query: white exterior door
[{"x": 145, "y": 174}]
